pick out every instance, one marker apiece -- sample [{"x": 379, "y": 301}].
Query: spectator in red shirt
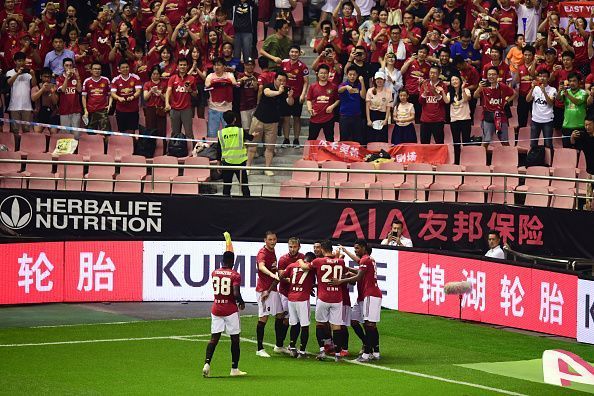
[
  {"x": 180, "y": 88},
  {"x": 198, "y": 71},
  {"x": 328, "y": 58},
  {"x": 494, "y": 40},
  {"x": 434, "y": 20},
  {"x": 220, "y": 84},
  {"x": 508, "y": 20},
  {"x": 96, "y": 99},
  {"x": 502, "y": 67},
  {"x": 154, "y": 98},
  {"x": 416, "y": 69},
  {"x": 125, "y": 90},
  {"x": 494, "y": 96},
  {"x": 69, "y": 87},
  {"x": 322, "y": 99},
  {"x": 431, "y": 97},
  {"x": 298, "y": 80},
  {"x": 222, "y": 26},
  {"x": 248, "y": 94},
  {"x": 526, "y": 75}
]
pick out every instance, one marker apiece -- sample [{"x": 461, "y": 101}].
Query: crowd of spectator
[{"x": 379, "y": 65}]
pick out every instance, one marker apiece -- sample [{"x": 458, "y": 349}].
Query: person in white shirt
[
  {"x": 395, "y": 237},
  {"x": 528, "y": 19},
  {"x": 543, "y": 97},
  {"x": 494, "y": 241},
  {"x": 20, "y": 81}
]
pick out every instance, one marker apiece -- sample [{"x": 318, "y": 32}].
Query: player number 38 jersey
[{"x": 223, "y": 280}]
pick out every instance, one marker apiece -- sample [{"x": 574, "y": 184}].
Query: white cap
[{"x": 379, "y": 74}]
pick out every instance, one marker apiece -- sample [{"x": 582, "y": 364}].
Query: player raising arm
[
  {"x": 225, "y": 314},
  {"x": 369, "y": 299}
]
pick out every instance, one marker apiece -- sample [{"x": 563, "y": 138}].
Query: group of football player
[{"x": 284, "y": 289}]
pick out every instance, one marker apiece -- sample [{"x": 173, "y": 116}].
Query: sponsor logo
[{"x": 15, "y": 212}]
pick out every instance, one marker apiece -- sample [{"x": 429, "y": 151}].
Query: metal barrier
[
  {"x": 149, "y": 178},
  {"x": 580, "y": 265}
]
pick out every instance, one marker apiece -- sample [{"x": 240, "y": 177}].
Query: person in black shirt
[
  {"x": 243, "y": 16},
  {"x": 267, "y": 116},
  {"x": 584, "y": 141}
]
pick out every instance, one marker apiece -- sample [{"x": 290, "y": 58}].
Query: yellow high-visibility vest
[{"x": 233, "y": 150}]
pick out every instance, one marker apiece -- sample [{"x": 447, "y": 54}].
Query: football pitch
[{"x": 420, "y": 355}]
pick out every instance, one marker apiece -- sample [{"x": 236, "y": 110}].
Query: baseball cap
[
  {"x": 551, "y": 51},
  {"x": 250, "y": 60},
  {"x": 379, "y": 74}
]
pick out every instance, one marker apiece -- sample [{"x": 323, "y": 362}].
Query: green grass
[{"x": 418, "y": 343}]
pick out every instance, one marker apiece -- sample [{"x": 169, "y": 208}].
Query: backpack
[
  {"x": 536, "y": 157},
  {"x": 146, "y": 146},
  {"x": 177, "y": 148}
]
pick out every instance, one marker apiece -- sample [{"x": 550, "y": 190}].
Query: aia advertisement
[
  {"x": 32, "y": 273},
  {"x": 103, "y": 271},
  {"x": 501, "y": 294}
]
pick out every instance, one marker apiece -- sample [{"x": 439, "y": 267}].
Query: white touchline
[
  {"x": 122, "y": 323},
  {"x": 173, "y": 337},
  {"x": 416, "y": 374}
]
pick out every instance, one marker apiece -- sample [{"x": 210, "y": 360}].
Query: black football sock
[
  {"x": 358, "y": 329},
  {"x": 338, "y": 340},
  {"x": 235, "y": 351},
  {"x": 320, "y": 335},
  {"x": 345, "y": 339},
  {"x": 210, "y": 348},
  {"x": 293, "y": 335},
  {"x": 260, "y": 334},
  {"x": 304, "y": 338},
  {"x": 285, "y": 329},
  {"x": 368, "y": 339},
  {"x": 278, "y": 332},
  {"x": 375, "y": 343}
]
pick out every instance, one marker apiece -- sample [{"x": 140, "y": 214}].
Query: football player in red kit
[{"x": 225, "y": 312}]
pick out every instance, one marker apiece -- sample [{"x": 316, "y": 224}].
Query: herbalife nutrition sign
[{"x": 133, "y": 217}]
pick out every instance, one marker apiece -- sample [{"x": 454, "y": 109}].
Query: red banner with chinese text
[
  {"x": 99, "y": 271},
  {"x": 322, "y": 150},
  {"x": 501, "y": 294}
]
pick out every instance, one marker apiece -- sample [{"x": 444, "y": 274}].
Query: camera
[
  {"x": 26, "y": 70},
  {"x": 487, "y": 30},
  {"x": 181, "y": 32},
  {"x": 123, "y": 43}
]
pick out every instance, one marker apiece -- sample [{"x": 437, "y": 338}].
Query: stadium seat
[
  {"x": 442, "y": 192},
  {"x": 336, "y": 177},
  {"x": 305, "y": 177},
  {"x": 537, "y": 196},
  {"x": 320, "y": 190},
  {"x": 32, "y": 169},
  {"x": 54, "y": 137},
  {"x": 535, "y": 171},
  {"x": 391, "y": 178},
  {"x": 564, "y": 158},
  {"x": 160, "y": 180},
  {"x": 406, "y": 192},
  {"x": 448, "y": 180},
  {"x": 564, "y": 198},
  {"x": 120, "y": 146},
  {"x": 32, "y": 142},
  {"x": 200, "y": 174},
  {"x": 9, "y": 167},
  {"x": 581, "y": 187},
  {"x": 422, "y": 181},
  {"x": 7, "y": 139},
  {"x": 482, "y": 181},
  {"x": 379, "y": 191},
  {"x": 377, "y": 146},
  {"x": 291, "y": 189},
  {"x": 473, "y": 155},
  {"x": 351, "y": 190},
  {"x": 523, "y": 142},
  {"x": 133, "y": 170},
  {"x": 187, "y": 185},
  {"x": 581, "y": 161},
  {"x": 365, "y": 178},
  {"x": 569, "y": 173},
  {"x": 42, "y": 182},
  {"x": 165, "y": 172},
  {"x": 100, "y": 172},
  {"x": 500, "y": 183},
  {"x": 90, "y": 145},
  {"x": 130, "y": 177},
  {"x": 70, "y": 172},
  {"x": 504, "y": 156},
  {"x": 297, "y": 14},
  {"x": 471, "y": 194}
]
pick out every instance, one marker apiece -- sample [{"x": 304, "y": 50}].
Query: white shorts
[
  {"x": 228, "y": 324},
  {"x": 356, "y": 313},
  {"x": 299, "y": 312},
  {"x": 371, "y": 307},
  {"x": 329, "y": 312},
  {"x": 284, "y": 303},
  {"x": 346, "y": 315},
  {"x": 271, "y": 306}
]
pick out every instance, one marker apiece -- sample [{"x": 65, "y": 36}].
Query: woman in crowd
[{"x": 378, "y": 108}]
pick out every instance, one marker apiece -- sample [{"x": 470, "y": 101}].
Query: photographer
[
  {"x": 584, "y": 141},
  {"x": 328, "y": 58},
  {"x": 395, "y": 237},
  {"x": 20, "y": 81}
]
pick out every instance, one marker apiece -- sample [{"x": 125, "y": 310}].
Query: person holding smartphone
[
  {"x": 395, "y": 237},
  {"x": 20, "y": 81}
]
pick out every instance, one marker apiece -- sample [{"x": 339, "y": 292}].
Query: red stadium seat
[
  {"x": 569, "y": 173},
  {"x": 483, "y": 181},
  {"x": 382, "y": 191},
  {"x": 564, "y": 198},
  {"x": 9, "y": 167},
  {"x": 7, "y": 139},
  {"x": 391, "y": 178},
  {"x": 504, "y": 156},
  {"x": 290, "y": 189},
  {"x": 336, "y": 177},
  {"x": 473, "y": 155},
  {"x": 351, "y": 190},
  {"x": 535, "y": 171},
  {"x": 187, "y": 185},
  {"x": 201, "y": 175},
  {"x": 32, "y": 169},
  {"x": 365, "y": 178},
  {"x": 442, "y": 192},
  {"x": 537, "y": 196},
  {"x": 305, "y": 177},
  {"x": 120, "y": 146},
  {"x": 471, "y": 194},
  {"x": 422, "y": 181},
  {"x": 406, "y": 192},
  {"x": 32, "y": 142},
  {"x": 43, "y": 182},
  {"x": 564, "y": 158},
  {"x": 319, "y": 190},
  {"x": 70, "y": 172},
  {"x": 449, "y": 180},
  {"x": 90, "y": 145},
  {"x": 377, "y": 146}
]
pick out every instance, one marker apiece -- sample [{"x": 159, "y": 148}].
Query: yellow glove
[{"x": 228, "y": 243}]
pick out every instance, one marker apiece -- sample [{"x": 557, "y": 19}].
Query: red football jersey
[
  {"x": 580, "y": 46},
  {"x": 346, "y": 297},
  {"x": 69, "y": 98},
  {"x": 126, "y": 87},
  {"x": 248, "y": 94},
  {"x": 367, "y": 286},
  {"x": 326, "y": 269},
  {"x": 503, "y": 68},
  {"x": 486, "y": 46},
  {"x": 525, "y": 80},
  {"x": 269, "y": 259},
  {"x": 223, "y": 280},
  {"x": 266, "y": 77},
  {"x": 415, "y": 72},
  {"x": 283, "y": 263},
  {"x": 97, "y": 93},
  {"x": 508, "y": 24},
  {"x": 322, "y": 97},
  {"x": 301, "y": 282},
  {"x": 180, "y": 98},
  {"x": 432, "y": 102},
  {"x": 493, "y": 99},
  {"x": 155, "y": 99},
  {"x": 296, "y": 73}
]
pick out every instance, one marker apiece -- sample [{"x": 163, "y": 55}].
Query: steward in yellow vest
[{"x": 233, "y": 153}]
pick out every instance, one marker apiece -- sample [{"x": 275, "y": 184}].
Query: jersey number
[
  {"x": 301, "y": 279},
  {"x": 335, "y": 271},
  {"x": 221, "y": 286}
]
